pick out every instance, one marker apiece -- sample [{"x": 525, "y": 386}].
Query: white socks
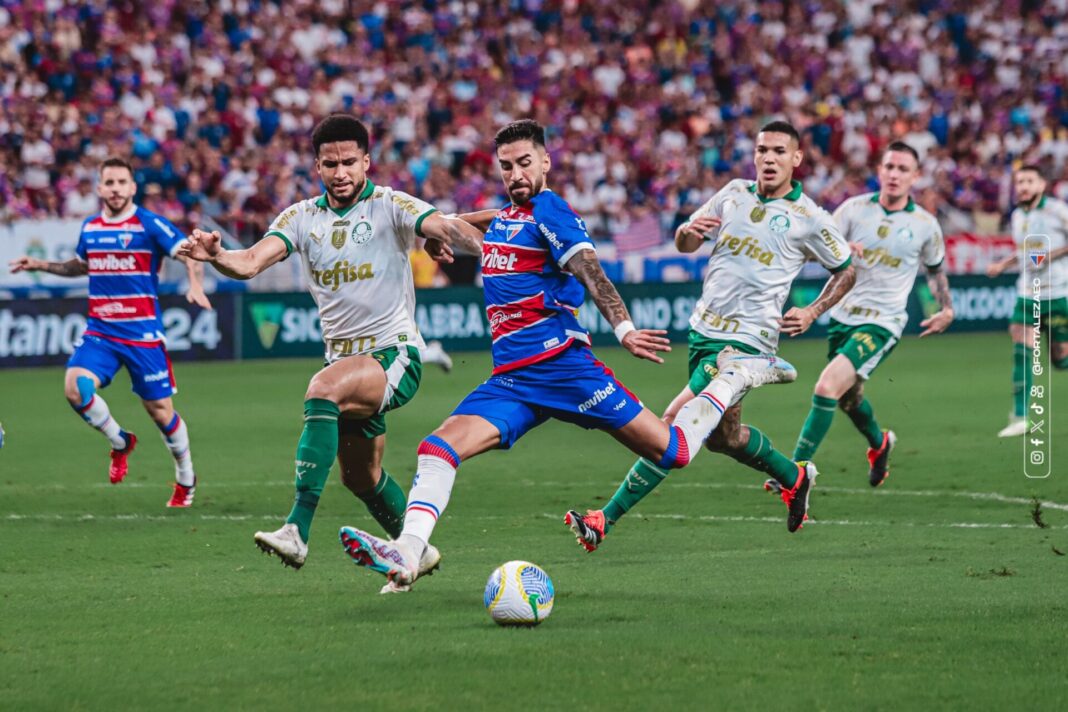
[
  {"x": 176, "y": 436},
  {"x": 697, "y": 419},
  {"x": 97, "y": 414},
  {"x": 430, "y": 492}
]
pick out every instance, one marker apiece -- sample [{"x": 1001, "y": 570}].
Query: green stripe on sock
[
  {"x": 815, "y": 428},
  {"x": 316, "y": 452},
  {"x": 863, "y": 418},
  {"x": 761, "y": 455},
  {"x": 386, "y": 503},
  {"x": 642, "y": 479}
]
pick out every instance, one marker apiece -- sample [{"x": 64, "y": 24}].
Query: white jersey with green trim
[
  {"x": 1048, "y": 218},
  {"x": 356, "y": 262},
  {"x": 895, "y": 245},
  {"x": 760, "y": 246}
]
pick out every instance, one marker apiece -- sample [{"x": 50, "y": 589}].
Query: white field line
[
  {"x": 864, "y": 492},
  {"x": 185, "y": 516},
  {"x": 833, "y": 522}
]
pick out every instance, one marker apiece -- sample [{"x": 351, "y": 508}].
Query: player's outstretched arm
[
  {"x": 480, "y": 219},
  {"x": 73, "y": 267},
  {"x": 938, "y": 283},
  {"x": 642, "y": 343},
  {"x": 195, "y": 271},
  {"x": 236, "y": 264},
  {"x": 453, "y": 231},
  {"x": 996, "y": 268},
  {"x": 797, "y": 320},
  {"x": 690, "y": 235}
]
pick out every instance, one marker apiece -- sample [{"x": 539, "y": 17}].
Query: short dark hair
[
  {"x": 341, "y": 127},
  {"x": 783, "y": 127},
  {"x": 522, "y": 130},
  {"x": 1034, "y": 168},
  {"x": 116, "y": 162},
  {"x": 903, "y": 147}
]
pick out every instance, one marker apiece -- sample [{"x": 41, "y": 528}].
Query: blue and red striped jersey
[
  {"x": 532, "y": 302},
  {"x": 124, "y": 255}
]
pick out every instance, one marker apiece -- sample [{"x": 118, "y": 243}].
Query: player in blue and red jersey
[
  {"x": 538, "y": 264},
  {"x": 122, "y": 249}
]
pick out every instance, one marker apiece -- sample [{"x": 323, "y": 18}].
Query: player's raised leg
[
  {"x": 355, "y": 385},
  {"x": 80, "y": 386},
  {"x": 460, "y": 437},
  {"x": 731, "y": 372}
]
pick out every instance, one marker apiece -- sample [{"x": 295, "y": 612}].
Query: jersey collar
[
  {"x": 910, "y": 207},
  {"x": 793, "y": 195},
  {"x": 368, "y": 189}
]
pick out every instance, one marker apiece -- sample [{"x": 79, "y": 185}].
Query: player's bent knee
[
  {"x": 435, "y": 446},
  {"x": 81, "y": 395},
  {"x": 321, "y": 388},
  {"x": 677, "y": 454}
]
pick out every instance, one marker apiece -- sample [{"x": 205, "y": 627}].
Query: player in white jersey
[
  {"x": 353, "y": 241},
  {"x": 1040, "y": 231},
  {"x": 890, "y": 237},
  {"x": 762, "y": 233}
]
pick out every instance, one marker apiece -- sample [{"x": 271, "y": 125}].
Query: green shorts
[
  {"x": 404, "y": 369},
  {"x": 702, "y": 358},
  {"x": 1054, "y": 315},
  {"x": 865, "y": 345}
]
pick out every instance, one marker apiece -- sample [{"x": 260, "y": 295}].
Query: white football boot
[
  {"x": 754, "y": 370},
  {"x": 392, "y": 559},
  {"x": 285, "y": 543},
  {"x": 429, "y": 562},
  {"x": 1017, "y": 426}
]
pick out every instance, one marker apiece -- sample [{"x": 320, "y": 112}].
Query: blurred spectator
[{"x": 649, "y": 105}]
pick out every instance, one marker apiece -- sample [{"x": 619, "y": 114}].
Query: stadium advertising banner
[
  {"x": 40, "y": 332},
  {"x": 44, "y": 332}
]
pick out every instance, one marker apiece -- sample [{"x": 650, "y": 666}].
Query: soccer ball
[{"x": 519, "y": 593}]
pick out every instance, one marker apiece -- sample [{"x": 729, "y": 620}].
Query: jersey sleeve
[
  {"x": 286, "y": 227},
  {"x": 842, "y": 217},
  {"x": 408, "y": 214},
  {"x": 825, "y": 242},
  {"x": 165, "y": 235},
  {"x": 934, "y": 250},
  {"x": 80, "y": 249},
  {"x": 562, "y": 229}
]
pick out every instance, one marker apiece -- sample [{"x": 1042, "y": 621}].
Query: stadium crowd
[{"x": 651, "y": 105}]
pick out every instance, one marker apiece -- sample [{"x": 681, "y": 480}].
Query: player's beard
[
  {"x": 536, "y": 187},
  {"x": 111, "y": 210},
  {"x": 345, "y": 202}
]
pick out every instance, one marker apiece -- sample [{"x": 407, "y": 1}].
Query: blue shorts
[
  {"x": 574, "y": 387},
  {"x": 149, "y": 366}
]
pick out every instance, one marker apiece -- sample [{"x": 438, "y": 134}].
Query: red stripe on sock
[
  {"x": 682, "y": 458},
  {"x": 437, "y": 451},
  {"x": 429, "y": 511}
]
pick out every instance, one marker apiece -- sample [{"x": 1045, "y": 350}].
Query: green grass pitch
[{"x": 937, "y": 591}]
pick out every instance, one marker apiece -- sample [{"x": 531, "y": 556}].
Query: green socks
[
  {"x": 759, "y": 454},
  {"x": 864, "y": 418},
  {"x": 816, "y": 426},
  {"x": 316, "y": 452},
  {"x": 1021, "y": 380},
  {"x": 386, "y": 503},
  {"x": 642, "y": 479}
]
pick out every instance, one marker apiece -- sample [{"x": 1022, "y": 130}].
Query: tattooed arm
[
  {"x": 642, "y": 343},
  {"x": 939, "y": 286},
  {"x": 73, "y": 267},
  {"x": 444, "y": 232},
  {"x": 798, "y": 319}
]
